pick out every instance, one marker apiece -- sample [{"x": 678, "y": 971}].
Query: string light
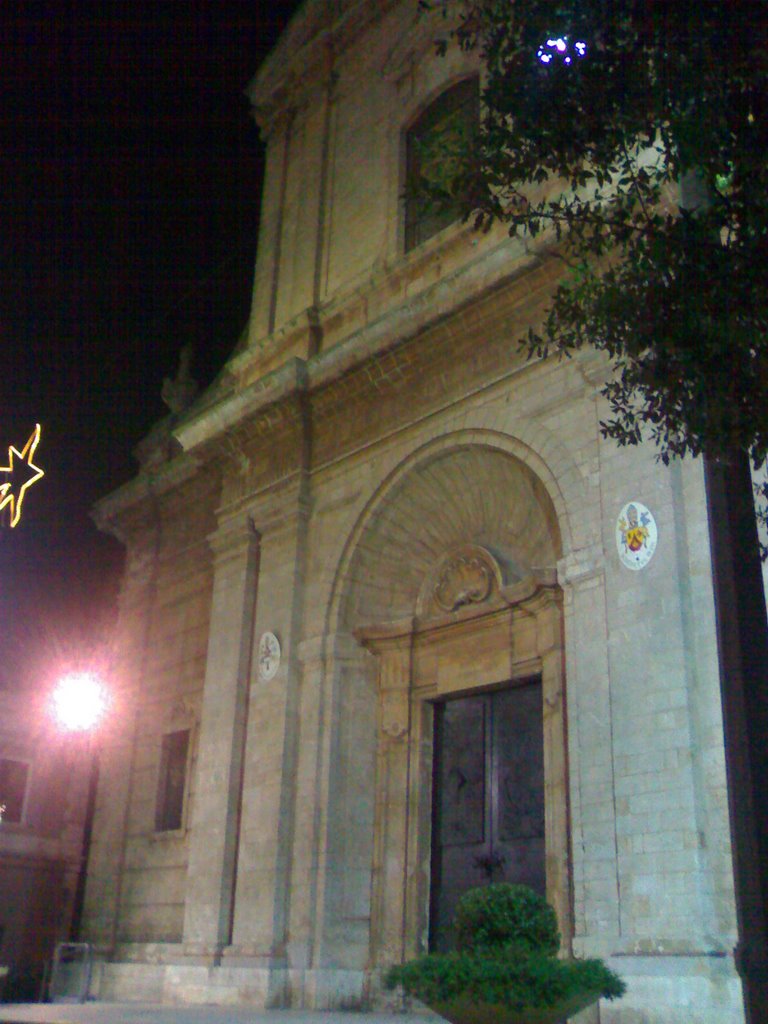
[{"x": 8, "y": 495}]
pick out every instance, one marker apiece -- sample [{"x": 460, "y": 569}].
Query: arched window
[{"x": 447, "y": 123}]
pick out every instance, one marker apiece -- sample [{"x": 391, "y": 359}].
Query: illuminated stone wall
[{"x": 378, "y": 424}]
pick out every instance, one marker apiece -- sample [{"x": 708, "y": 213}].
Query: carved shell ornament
[{"x": 464, "y": 580}]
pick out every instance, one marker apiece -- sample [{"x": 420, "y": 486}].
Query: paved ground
[{"x": 142, "y": 1013}]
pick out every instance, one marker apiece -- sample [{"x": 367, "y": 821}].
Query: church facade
[{"x": 396, "y": 620}]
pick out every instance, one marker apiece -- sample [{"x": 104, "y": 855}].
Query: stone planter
[{"x": 464, "y": 1011}]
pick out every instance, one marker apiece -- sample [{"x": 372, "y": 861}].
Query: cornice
[
  {"x": 441, "y": 301},
  {"x": 226, "y": 414},
  {"x": 264, "y": 404},
  {"x": 530, "y": 597},
  {"x": 444, "y": 299},
  {"x": 149, "y": 484}
]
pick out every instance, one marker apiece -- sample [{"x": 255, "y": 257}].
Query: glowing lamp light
[
  {"x": 79, "y": 701},
  {"x": 560, "y": 50}
]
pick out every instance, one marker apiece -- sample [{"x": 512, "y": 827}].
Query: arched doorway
[{"x": 452, "y": 586}]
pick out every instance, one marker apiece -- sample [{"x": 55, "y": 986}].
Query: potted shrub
[{"x": 505, "y": 969}]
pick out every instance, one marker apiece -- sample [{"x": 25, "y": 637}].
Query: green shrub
[
  {"x": 503, "y": 978},
  {"x": 501, "y": 916},
  {"x": 508, "y": 938}
]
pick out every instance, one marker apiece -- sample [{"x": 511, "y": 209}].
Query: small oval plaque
[
  {"x": 269, "y": 656},
  {"x": 636, "y": 535}
]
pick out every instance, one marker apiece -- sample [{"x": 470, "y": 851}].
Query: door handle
[{"x": 490, "y": 862}]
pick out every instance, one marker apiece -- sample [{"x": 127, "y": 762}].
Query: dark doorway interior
[{"x": 488, "y": 803}]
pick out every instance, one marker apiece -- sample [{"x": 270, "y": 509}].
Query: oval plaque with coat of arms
[
  {"x": 269, "y": 656},
  {"x": 636, "y": 535}
]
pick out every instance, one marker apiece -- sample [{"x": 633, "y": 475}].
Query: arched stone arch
[
  {"x": 537, "y": 449},
  {"x": 466, "y": 506}
]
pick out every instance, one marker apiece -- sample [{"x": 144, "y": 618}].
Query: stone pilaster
[
  {"x": 106, "y": 859},
  {"x": 393, "y": 804},
  {"x": 591, "y": 754},
  {"x": 269, "y": 782},
  {"x": 215, "y": 816},
  {"x": 331, "y": 890}
]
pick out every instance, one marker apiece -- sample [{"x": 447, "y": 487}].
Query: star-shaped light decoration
[{"x": 18, "y": 475}]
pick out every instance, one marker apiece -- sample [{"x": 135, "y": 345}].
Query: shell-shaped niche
[{"x": 467, "y": 521}]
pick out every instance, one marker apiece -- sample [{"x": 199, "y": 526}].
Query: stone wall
[
  {"x": 380, "y": 420},
  {"x": 41, "y": 839}
]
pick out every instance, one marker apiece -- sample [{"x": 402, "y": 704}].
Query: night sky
[{"x": 130, "y": 176}]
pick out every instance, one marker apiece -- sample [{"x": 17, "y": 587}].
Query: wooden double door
[{"x": 488, "y": 798}]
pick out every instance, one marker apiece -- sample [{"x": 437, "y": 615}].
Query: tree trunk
[{"x": 742, "y": 637}]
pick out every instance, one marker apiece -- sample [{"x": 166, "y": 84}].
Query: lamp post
[{"x": 79, "y": 704}]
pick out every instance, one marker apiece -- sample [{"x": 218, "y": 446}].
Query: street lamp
[{"x": 79, "y": 703}]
